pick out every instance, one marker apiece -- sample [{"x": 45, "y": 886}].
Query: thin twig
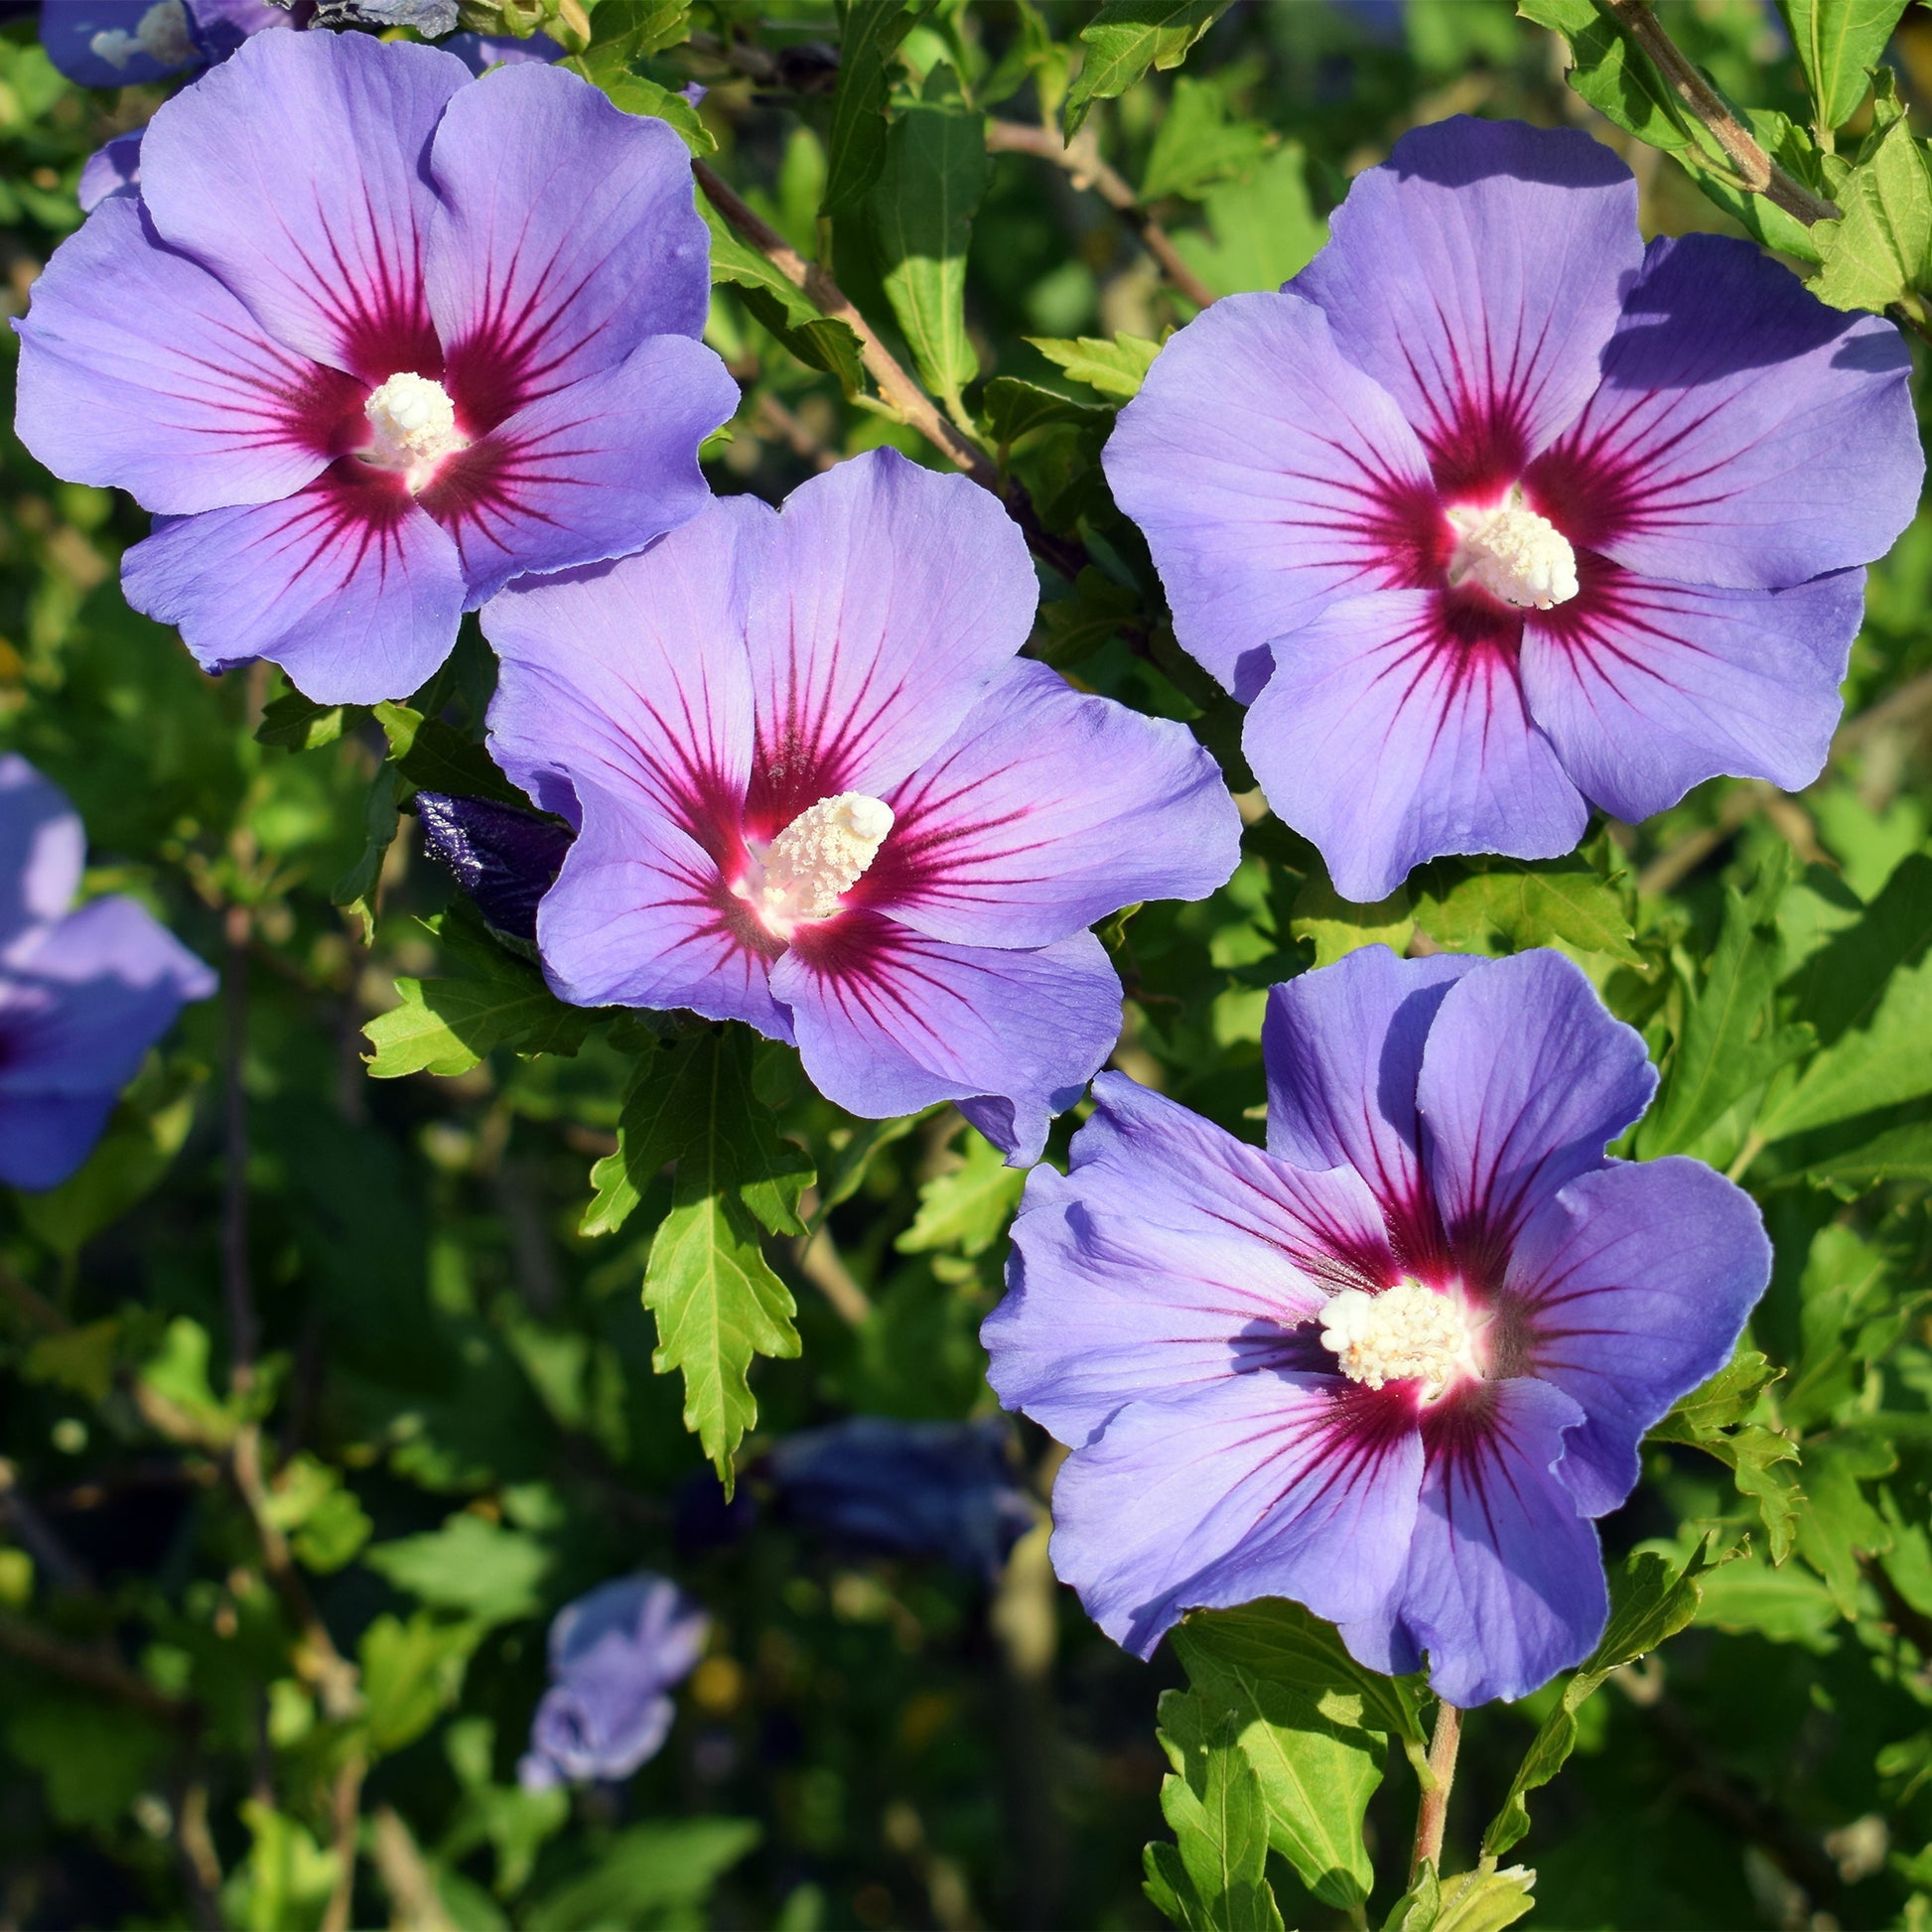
[
  {"x": 345, "y": 1803},
  {"x": 1899, "y": 707},
  {"x": 819, "y": 1261},
  {"x": 1761, "y": 173},
  {"x": 98, "y": 1670},
  {"x": 234, "y": 1189},
  {"x": 1432, "y": 1814},
  {"x": 1080, "y": 158},
  {"x": 795, "y": 435},
  {"x": 201, "y": 1864},
  {"x": 411, "y": 1884}
]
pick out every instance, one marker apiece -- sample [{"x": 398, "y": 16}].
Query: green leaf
[
  {"x": 299, "y": 724},
  {"x": 1197, "y": 145},
  {"x": 436, "y": 756},
  {"x": 1214, "y": 1805},
  {"x": 969, "y": 1207},
  {"x": 94, "y": 1759},
  {"x": 1011, "y": 407},
  {"x": 1496, "y": 906},
  {"x": 1836, "y": 40},
  {"x": 411, "y": 1674},
  {"x": 1485, "y": 1901},
  {"x": 1650, "y": 1601},
  {"x": 1077, "y": 626},
  {"x": 1788, "y": 1605},
  {"x": 923, "y": 210},
  {"x": 355, "y": 889},
  {"x": 284, "y": 1883},
  {"x": 1732, "y": 1040},
  {"x": 623, "y": 31},
  {"x": 819, "y": 341},
  {"x": 1876, "y": 253},
  {"x": 1839, "y": 1525},
  {"x": 1417, "y": 1909},
  {"x": 1613, "y": 77},
  {"x": 1899, "y": 1153},
  {"x": 636, "y": 93},
  {"x": 1336, "y": 927},
  {"x": 79, "y": 1359},
  {"x": 646, "y": 1871},
  {"x": 178, "y": 1372},
  {"x": 1791, "y": 148},
  {"x": 478, "y": 1568},
  {"x": 1126, "y": 37},
  {"x": 1716, "y": 1419},
  {"x": 1261, "y": 230},
  {"x": 1115, "y": 368},
  {"x": 855, "y": 150}
]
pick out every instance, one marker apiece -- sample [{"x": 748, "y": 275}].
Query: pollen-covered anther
[
  {"x": 1405, "y": 1334},
  {"x": 162, "y": 34},
  {"x": 1513, "y": 553},
  {"x": 819, "y": 857},
  {"x": 414, "y": 422}
]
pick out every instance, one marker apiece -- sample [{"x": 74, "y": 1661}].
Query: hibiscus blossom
[
  {"x": 1495, "y": 515},
  {"x": 375, "y": 337},
  {"x": 813, "y": 791},
  {"x": 1393, "y": 1366},
  {"x": 83, "y": 993}
]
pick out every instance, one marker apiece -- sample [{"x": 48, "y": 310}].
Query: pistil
[
  {"x": 1513, "y": 553},
  {"x": 806, "y": 872},
  {"x": 1406, "y": 1333},
  {"x": 414, "y": 422}
]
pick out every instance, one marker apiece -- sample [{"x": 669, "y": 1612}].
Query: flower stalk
[{"x": 1432, "y": 1814}]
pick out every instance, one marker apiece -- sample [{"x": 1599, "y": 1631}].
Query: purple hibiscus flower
[
  {"x": 1494, "y": 515},
  {"x": 1395, "y": 1365},
  {"x": 615, "y": 1656},
  {"x": 813, "y": 791},
  {"x": 457, "y": 342},
  {"x": 83, "y": 993}
]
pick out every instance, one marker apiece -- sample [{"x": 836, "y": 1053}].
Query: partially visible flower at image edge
[
  {"x": 83, "y": 993},
  {"x": 815, "y": 789},
  {"x": 1393, "y": 1366},
  {"x": 1494, "y": 514},
  {"x": 458, "y": 344},
  {"x": 616, "y": 1655}
]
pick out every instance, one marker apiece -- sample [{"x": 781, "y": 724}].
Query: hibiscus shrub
[{"x": 966, "y": 964}]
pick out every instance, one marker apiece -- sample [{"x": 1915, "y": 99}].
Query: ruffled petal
[
  {"x": 1047, "y": 809},
  {"x": 1647, "y": 688},
  {"x": 631, "y": 676},
  {"x": 346, "y": 584},
  {"x": 1395, "y": 730},
  {"x": 295, "y": 171},
  {"x": 42, "y": 848},
  {"x": 640, "y": 916},
  {"x": 1631, "y": 1286},
  {"x": 139, "y": 371},
  {"x": 891, "y": 598},
  {"x": 1271, "y": 477},
  {"x": 1476, "y": 276},
  {"x": 593, "y": 470},
  {"x": 1525, "y": 1078},
  {"x": 1343, "y": 1051},
  {"x": 1172, "y": 1254},
  {"x": 1745, "y": 434},
  {"x": 566, "y": 235},
  {"x": 110, "y": 173},
  {"x": 1253, "y": 1485},
  {"x": 1504, "y": 1585},
  {"x": 888, "y": 1020}
]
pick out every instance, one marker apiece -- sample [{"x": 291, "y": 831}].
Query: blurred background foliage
[{"x": 316, "y": 1400}]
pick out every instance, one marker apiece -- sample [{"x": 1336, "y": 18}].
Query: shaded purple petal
[
  {"x": 1504, "y": 1583},
  {"x": 565, "y": 237},
  {"x": 138, "y": 370},
  {"x": 1633, "y": 1284},
  {"x": 1395, "y": 730},
  {"x": 112, "y": 173},
  {"x": 1271, "y": 477},
  {"x": 44, "y": 1138},
  {"x": 588, "y": 471},
  {"x": 1476, "y": 276},
  {"x": 1172, "y": 1254},
  {"x": 1255, "y": 1485},
  {"x": 640, "y": 916},
  {"x": 892, "y": 598},
  {"x": 506, "y": 859},
  {"x": 117, "y": 43},
  {"x": 220, "y": 26},
  {"x": 1647, "y": 688},
  {"x": 1048, "y": 809},
  {"x": 482, "y": 52},
  {"x": 1343, "y": 1050},
  {"x": 247, "y": 171},
  {"x": 888, "y": 1020},
  {"x": 42, "y": 848},
  {"x": 1525, "y": 1078},
  {"x": 632, "y": 677},
  {"x": 347, "y": 586},
  {"x": 1745, "y": 434}
]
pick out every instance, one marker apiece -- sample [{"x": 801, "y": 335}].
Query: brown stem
[
  {"x": 411, "y": 1884},
  {"x": 1433, "y": 1813},
  {"x": 345, "y": 1803},
  {"x": 200, "y": 1864},
  {"x": 98, "y": 1670},
  {"x": 1761, "y": 175},
  {"x": 1080, "y": 158},
  {"x": 234, "y": 1191},
  {"x": 797, "y": 436},
  {"x": 821, "y": 1263}
]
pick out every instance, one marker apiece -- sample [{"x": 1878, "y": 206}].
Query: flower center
[
  {"x": 162, "y": 34},
  {"x": 1406, "y": 1333},
  {"x": 1513, "y": 553},
  {"x": 415, "y": 426},
  {"x": 820, "y": 856}
]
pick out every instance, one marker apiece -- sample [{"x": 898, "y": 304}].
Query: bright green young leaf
[
  {"x": 1198, "y": 145},
  {"x": 636, "y": 94},
  {"x": 1336, "y": 927},
  {"x": 1261, "y": 230},
  {"x": 481, "y": 1569},
  {"x": 819, "y": 341},
  {"x": 969, "y": 1207},
  {"x": 284, "y": 1883},
  {"x": 1496, "y": 905},
  {"x": 1214, "y": 1877},
  {"x": 1837, "y": 41},
  {"x": 922, "y": 208},
  {"x": 1116, "y": 368},
  {"x": 1792, "y": 149},
  {"x": 855, "y": 150},
  {"x": 649, "y": 1875},
  {"x": 445, "y": 1027},
  {"x": 1877, "y": 251},
  {"x": 1126, "y": 37},
  {"x": 1649, "y": 1601},
  {"x": 1485, "y": 1901},
  {"x": 411, "y": 1674},
  {"x": 178, "y": 1373}
]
